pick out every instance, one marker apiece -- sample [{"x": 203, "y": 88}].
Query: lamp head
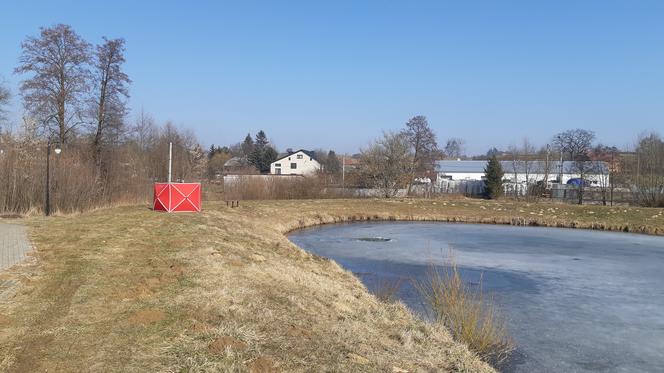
[{"x": 57, "y": 149}]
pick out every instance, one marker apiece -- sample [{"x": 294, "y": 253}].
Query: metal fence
[{"x": 555, "y": 192}]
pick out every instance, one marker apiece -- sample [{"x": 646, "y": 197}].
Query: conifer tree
[{"x": 493, "y": 181}]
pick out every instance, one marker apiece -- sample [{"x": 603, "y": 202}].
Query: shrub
[{"x": 468, "y": 314}]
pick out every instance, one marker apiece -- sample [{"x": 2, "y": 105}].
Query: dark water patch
[{"x": 374, "y": 239}]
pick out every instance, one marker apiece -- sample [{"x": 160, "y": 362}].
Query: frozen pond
[{"x": 575, "y": 300}]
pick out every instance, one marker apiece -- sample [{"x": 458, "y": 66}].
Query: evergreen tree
[
  {"x": 261, "y": 140},
  {"x": 493, "y": 181},
  {"x": 263, "y": 154},
  {"x": 247, "y": 146},
  {"x": 332, "y": 164}
]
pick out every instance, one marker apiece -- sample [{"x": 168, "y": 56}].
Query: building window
[
  {"x": 293, "y": 166},
  {"x": 277, "y": 165},
  {"x": 277, "y": 171},
  {"x": 299, "y": 156}
]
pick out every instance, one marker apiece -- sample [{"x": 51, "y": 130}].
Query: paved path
[{"x": 14, "y": 244}]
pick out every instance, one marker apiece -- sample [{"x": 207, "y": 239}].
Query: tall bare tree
[
  {"x": 454, "y": 147},
  {"x": 109, "y": 104},
  {"x": 576, "y": 144},
  {"x": 57, "y": 62},
  {"x": 425, "y": 146},
  {"x": 604, "y": 158},
  {"x": 4, "y": 101},
  {"x": 522, "y": 164},
  {"x": 649, "y": 170},
  {"x": 387, "y": 163}
]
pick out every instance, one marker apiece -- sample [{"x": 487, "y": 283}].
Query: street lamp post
[{"x": 47, "y": 188}]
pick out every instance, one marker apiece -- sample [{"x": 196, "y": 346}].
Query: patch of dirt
[
  {"x": 262, "y": 364},
  {"x": 148, "y": 316},
  {"x": 219, "y": 345},
  {"x": 235, "y": 263},
  {"x": 4, "y": 320}
]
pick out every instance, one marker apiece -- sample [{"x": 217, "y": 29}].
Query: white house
[
  {"x": 299, "y": 162},
  {"x": 596, "y": 172}
]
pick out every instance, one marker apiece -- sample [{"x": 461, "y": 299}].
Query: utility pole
[
  {"x": 611, "y": 173},
  {"x": 343, "y": 173},
  {"x": 560, "y": 178},
  {"x": 47, "y": 187},
  {"x": 170, "y": 160}
]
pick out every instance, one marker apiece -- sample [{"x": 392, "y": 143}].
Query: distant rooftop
[
  {"x": 450, "y": 166},
  {"x": 309, "y": 153}
]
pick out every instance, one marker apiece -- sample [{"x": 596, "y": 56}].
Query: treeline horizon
[{"x": 75, "y": 97}]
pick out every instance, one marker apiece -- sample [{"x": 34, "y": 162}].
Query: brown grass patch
[
  {"x": 223, "y": 343},
  {"x": 145, "y": 317},
  {"x": 262, "y": 364}
]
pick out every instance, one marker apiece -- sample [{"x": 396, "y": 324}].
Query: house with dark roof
[{"x": 299, "y": 162}]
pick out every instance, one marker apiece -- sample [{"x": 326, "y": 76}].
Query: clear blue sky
[{"x": 333, "y": 74}]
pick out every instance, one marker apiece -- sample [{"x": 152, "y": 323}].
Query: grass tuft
[
  {"x": 467, "y": 313},
  {"x": 387, "y": 289}
]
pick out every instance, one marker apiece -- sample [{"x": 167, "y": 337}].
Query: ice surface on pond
[{"x": 575, "y": 300}]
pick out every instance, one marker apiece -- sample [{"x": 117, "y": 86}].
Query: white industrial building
[
  {"x": 595, "y": 172},
  {"x": 300, "y": 162}
]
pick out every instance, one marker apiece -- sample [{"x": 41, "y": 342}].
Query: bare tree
[
  {"x": 144, "y": 131},
  {"x": 649, "y": 172},
  {"x": 454, "y": 147},
  {"x": 527, "y": 152},
  {"x": 109, "y": 104},
  {"x": 5, "y": 95},
  {"x": 58, "y": 64},
  {"x": 425, "y": 147},
  {"x": 576, "y": 144},
  {"x": 544, "y": 166},
  {"x": 387, "y": 163},
  {"x": 523, "y": 166},
  {"x": 603, "y": 165}
]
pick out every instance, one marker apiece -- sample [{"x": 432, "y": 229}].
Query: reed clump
[
  {"x": 468, "y": 313},
  {"x": 387, "y": 290}
]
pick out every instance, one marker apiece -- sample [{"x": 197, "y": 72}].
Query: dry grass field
[{"x": 129, "y": 289}]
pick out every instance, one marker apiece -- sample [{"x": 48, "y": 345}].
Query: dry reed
[{"x": 469, "y": 314}]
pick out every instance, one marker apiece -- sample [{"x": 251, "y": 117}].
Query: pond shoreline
[{"x": 514, "y": 221}]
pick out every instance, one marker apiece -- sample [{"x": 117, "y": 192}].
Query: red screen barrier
[{"x": 177, "y": 197}]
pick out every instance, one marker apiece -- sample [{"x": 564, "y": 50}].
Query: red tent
[{"x": 177, "y": 197}]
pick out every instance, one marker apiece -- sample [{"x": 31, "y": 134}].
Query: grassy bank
[{"x": 130, "y": 289}]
